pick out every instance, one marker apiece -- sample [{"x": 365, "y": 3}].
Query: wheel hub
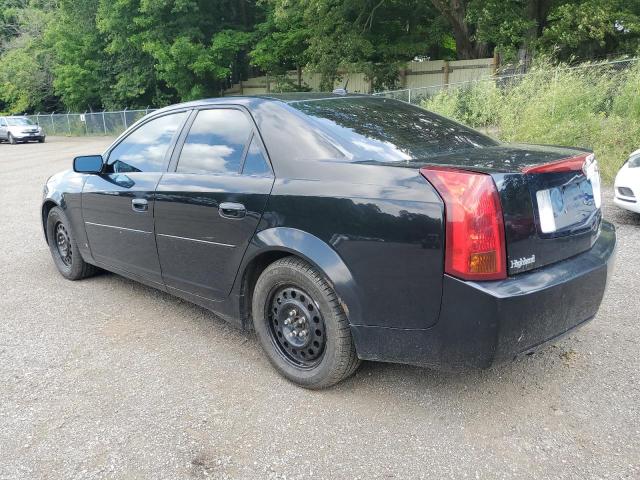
[
  {"x": 63, "y": 243},
  {"x": 296, "y": 326}
]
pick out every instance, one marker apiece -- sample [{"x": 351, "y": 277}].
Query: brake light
[
  {"x": 475, "y": 240},
  {"x": 571, "y": 164}
]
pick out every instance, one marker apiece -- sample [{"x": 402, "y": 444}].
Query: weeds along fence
[
  {"x": 595, "y": 106},
  {"x": 88, "y": 123},
  {"x": 504, "y": 80}
]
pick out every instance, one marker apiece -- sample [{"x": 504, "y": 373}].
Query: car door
[
  {"x": 117, "y": 205},
  {"x": 209, "y": 204},
  {"x": 3, "y": 128}
]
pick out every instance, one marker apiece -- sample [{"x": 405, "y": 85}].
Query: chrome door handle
[
  {"x": 232, "y": 210},
  {"x": 139, "y": 205}
]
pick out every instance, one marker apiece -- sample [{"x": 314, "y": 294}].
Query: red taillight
[
  {"x": 571, "y": 164},
  {"x": 475, "y": 241}
]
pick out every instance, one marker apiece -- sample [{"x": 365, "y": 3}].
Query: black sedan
[{"x": 341, "y": 228}]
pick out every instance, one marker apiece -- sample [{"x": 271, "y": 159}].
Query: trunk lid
[{"x": 550, "y": 199}]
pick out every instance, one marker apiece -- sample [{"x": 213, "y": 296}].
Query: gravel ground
[{"x": 106, "y": 378}]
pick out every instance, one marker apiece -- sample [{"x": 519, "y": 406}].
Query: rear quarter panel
[{"x": 385, "y": 223}]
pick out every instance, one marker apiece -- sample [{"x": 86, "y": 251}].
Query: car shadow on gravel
[
  {"x": 623, "y": 217},
  {"x": 402, "y": 379}
]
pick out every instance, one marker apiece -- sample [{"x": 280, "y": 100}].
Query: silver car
[{"x": 20, "y": 129}]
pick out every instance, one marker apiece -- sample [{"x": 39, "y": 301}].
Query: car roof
[
  {"x": 292, "y": 97},
  {"x": 252, "y": 100}
]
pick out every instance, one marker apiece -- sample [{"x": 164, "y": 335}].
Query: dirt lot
[{"x": 105, "y": 378}]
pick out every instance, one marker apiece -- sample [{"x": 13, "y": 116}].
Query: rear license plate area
[{"x": 566, "y": 206}]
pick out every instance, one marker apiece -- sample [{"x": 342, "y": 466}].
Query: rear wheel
[
  {"x": 64, "y": 249},
  {"x": 301, "y": 325}
]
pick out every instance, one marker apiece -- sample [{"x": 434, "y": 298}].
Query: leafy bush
[{"x": 594, "y": 106}]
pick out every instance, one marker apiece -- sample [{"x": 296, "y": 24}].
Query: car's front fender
[{"x": 64, "y": 190}]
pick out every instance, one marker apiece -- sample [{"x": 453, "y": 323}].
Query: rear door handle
[
  {"x": 139, "y": 205},
  {"x": 232, "y": 210}
]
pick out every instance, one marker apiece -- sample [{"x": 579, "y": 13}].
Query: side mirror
[{"x": 88, "y": 164}]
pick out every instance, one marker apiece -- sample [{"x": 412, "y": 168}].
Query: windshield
[
  {"x": 19, "y": 121},
  {"x": 634, "y": 161},
  {"x": 380, "y": 129}
]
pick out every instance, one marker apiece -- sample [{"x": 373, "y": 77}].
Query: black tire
[
  {"x": 329, "y": 357},
  {"x": 41, "y": 140},
  {"x": 12, "y": 140},
  {"x": 64, "y": 248}
]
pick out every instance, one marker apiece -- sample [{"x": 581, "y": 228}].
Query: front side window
[
  {"x": 216, "y": 142},
  {"x": 145, "y": 149}
]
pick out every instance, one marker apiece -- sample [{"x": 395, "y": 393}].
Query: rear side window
[
  {"x": 255, "y": 163},
  {"x": 384, "y": 130},
  {"x": 216, "y": 142},
  {"x": 144, "y": 150}
]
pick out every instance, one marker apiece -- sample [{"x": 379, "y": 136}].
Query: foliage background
[{"x": 95, "y": 54}]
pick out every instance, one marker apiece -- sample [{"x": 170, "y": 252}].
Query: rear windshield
[{"x": 380, "y": 129}]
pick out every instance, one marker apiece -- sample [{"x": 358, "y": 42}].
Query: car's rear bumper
[{"x": 482, "y": 323}]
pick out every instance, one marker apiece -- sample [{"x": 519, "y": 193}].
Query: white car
[
  {"x": 627, "y": 184},
  {"x": 20, "y": 129}
]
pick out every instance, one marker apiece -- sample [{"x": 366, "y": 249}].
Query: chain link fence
[{"x": 88, "y": 123}]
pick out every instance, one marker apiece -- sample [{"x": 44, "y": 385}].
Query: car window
[
  {"x": 144, "y": 150},
  {"x": 255, "y": 163},
  {"x": 384, "y": 130},
  {"x": 3, "y": 122},
  {"x": 16, "y": 122},
  {"x": 216, "y": 142}
]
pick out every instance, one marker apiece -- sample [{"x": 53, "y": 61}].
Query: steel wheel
[
  {"x": 63, "y": 244},
  {"x": 301, "y": 324},
  {"x": 296, "y": 326}
]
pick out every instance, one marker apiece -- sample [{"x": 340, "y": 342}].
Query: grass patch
[{"x": 597, "y": 107}]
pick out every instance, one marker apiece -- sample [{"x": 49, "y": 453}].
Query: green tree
[
  {"x": 81, "y": 75},
  {"x": 179, "y": 49},
  {"x": 593, "y": 28},
  {"x": 334, "y": 36},
  {"x": 282, "y": 40},
  {"x": 25, "y": 62}
]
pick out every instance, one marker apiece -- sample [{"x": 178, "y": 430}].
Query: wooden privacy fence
[{"x": 415, "y": 75}]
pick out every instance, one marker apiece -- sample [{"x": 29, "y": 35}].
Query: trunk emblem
[{"x": 522, "y": 262}]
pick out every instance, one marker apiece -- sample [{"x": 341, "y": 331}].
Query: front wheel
[
  {"x": 302, "y": 326},
  {"x": 12, "y": 139},
  {"x": 41, "y": 140},
  {"x": 64, "y": 248}
]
